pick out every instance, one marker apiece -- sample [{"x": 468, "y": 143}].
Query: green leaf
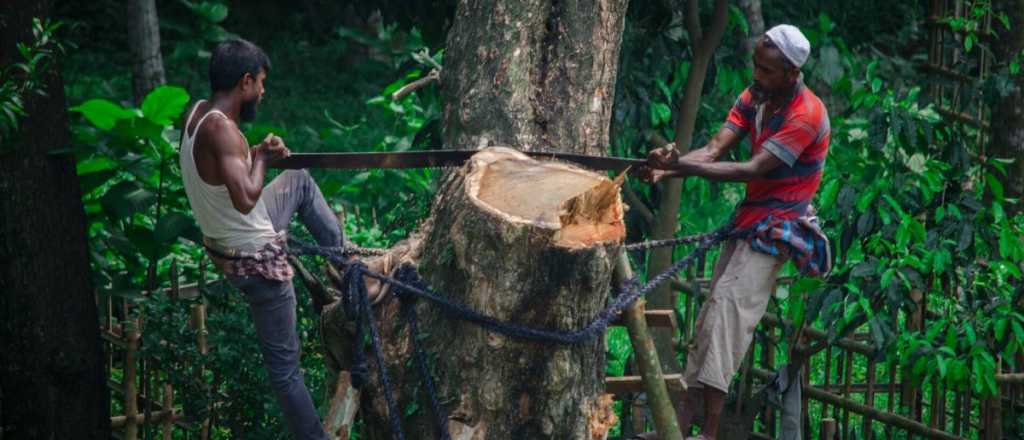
[
  {"x": 126, "y": 198},
  {"x": 89, "y": 182},
  {"x": 171, "y": 226},
  {"x": 102, "y": 113},
  {"x": 660, "y": 113},
  {"x": 1000, "y": 328},
  {"x": 887, "y": 277},
  {"x": 828, "y": 194},
  {"x": 164, "y": 104},
  {"x": 212, "y": 12},
  {"x": 994, "y": 185},
  {"x": 95, "y": 164}
]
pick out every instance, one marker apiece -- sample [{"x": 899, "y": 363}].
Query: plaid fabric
[
  {"x": 270, "y": 262},
  {"x": 800, "y": 239}
]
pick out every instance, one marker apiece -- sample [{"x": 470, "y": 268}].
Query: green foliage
[{"x": 26, "y": 77}]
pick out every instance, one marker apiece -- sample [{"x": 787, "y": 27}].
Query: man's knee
[
  {"x": 301, "y": 176},
  {"x": 285, "y": 377}
]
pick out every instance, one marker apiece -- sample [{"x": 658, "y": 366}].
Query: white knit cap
[{"x": 791, "y": 42}]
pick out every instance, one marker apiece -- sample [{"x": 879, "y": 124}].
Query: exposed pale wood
[{"x": 523, "y": 270}]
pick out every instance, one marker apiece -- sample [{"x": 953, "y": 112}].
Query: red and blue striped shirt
[{"x": 797, "y": 134}]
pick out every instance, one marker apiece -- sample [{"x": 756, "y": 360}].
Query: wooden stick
[
  {"x": 434, "y": 75},
  {"x": 828, "y": 429},
  {"x": 911, "y": 426},
  {"x": 131, "y": 411},
  {"x": 165, "y": 417},
  {"x": 869, "y": 399},
  {"x": 169, "y": 409},
  {"x": 344, "y": 405},
  {"x": 848, "y": 376},
  {"x": 647, "y": 359},
  {"x": 199, "y": 324}
]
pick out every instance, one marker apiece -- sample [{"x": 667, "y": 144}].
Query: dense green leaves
[{"x": 164, "y": 104}]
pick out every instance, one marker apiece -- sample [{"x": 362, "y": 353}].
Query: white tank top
[{"x": 211, "y": 204}]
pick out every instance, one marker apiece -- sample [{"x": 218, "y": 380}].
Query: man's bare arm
[
  {"x": 244, "y": 183},
  {"x": 763, "y": 162},
  {"x": 721, "y": 143}
]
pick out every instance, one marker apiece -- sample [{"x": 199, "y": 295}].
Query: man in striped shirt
[{"x": 788, "y": 128}]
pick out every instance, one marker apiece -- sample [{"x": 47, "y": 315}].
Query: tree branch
[
  {"x": 693, "y": 24},
  {"x": 720, "y": 18}
]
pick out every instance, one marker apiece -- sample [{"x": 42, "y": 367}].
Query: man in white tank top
[{"x": 244, "y": 222}]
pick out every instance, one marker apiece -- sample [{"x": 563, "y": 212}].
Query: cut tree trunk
[
  {"x": 52, "y": 383},
  {"x": 534, "y": 75},
  {"x": 534, "y": 243},
  {"x": 144, "y": 39}
]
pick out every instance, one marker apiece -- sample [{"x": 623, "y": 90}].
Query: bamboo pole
[
  {"x": 848, "y": 377},
  {"x": 768, "y": 356},
  {"x": 828, "y": 429},
  {"x": 827, "y": 379},
  {"x": 647, "y": 360},
  {"x": 869, "y": 399},
  {"x": 168, "y": 408},
  {"x": 131, "y": 411},
  {"x": 910, "y": 425},
  {"x": 166, "y": 417},
  {"x": 198, "y": 312}
]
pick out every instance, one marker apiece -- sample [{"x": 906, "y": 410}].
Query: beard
[
  {"x": 248, "y": 111},
  {"x": 762, "y": 95}
]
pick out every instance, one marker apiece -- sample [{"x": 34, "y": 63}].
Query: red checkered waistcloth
[{"x": 270, "y": 261}]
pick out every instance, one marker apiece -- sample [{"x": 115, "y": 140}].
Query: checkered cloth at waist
[
  {"x": 270, "y": 261},
  {"x": 800, "y": 239}
]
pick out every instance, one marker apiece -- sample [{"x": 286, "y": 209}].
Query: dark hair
[{"x": 231, "y": 60}]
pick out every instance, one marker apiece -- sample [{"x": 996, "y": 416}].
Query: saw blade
[{"x": 435, "y": 159}]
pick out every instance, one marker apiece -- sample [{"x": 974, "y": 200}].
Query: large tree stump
[{"x": 523, "y": 241}]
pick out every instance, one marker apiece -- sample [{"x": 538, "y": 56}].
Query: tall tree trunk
[
  {"x": 52, "y": 383},
  {"x": 703, "y": 45},
  {"x": 534, "y": 75},
  {"x": 1008, "y": 112},
  {"x": 755, "y": 27},
  {"x": 144, "y": 39}
]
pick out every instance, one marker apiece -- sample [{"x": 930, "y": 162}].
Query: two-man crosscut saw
[{"x": 435, "y": 159}]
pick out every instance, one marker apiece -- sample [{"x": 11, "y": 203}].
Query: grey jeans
[{"x": 272, "y": 303}]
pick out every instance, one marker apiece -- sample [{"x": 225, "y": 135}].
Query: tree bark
[
  {"x": 1008, "y": 112},
  {"x": 755, "y": 27},
  {"x": 534, "y": 243},
  {"x": 144, "y": 39},
  {"x": 535, "y": 74},
  {"x": 52, "y": 382},
  {"x": 703, "y": 45}
]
